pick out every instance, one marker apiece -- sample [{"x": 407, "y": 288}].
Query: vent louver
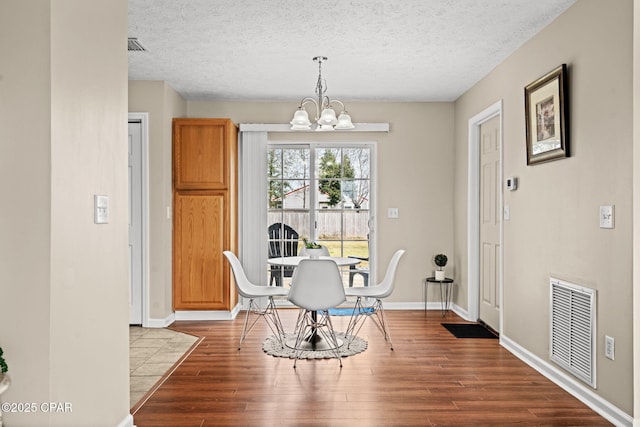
[
  {"x": 573, "y": 329},
  {"x": 133, "y": 45}
]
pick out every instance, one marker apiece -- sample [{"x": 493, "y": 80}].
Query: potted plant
[
  {"x": 440, "y": 260},
  {"x": 313, "y": 249},
  {"x": 5, "y": 381}
]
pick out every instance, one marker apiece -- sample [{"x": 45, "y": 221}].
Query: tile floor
[{"x": 152, "y": 352}]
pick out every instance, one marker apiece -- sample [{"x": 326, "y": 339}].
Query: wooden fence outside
[{"x": 353, "y": 223}]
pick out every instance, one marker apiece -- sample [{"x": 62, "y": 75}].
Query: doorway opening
[{"x": 138, "y": 218}]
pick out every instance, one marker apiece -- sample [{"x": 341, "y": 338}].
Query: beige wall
[
  {"x": 162, "y": 103},
  {"x": 553, "y": 230},
  {"x": 414, "y": 175},
  {"x": 25, "y": 144},
  {"x": 64, "y": 305}
]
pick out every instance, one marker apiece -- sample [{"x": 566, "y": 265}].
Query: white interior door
[
  {"x": 135, "y": 223},
  {"x": 490, "y": 211}
]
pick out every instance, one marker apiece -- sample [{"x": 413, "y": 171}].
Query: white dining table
[
  {"x": 313, "y": 342},
  {"x": 293, "y": 261}
]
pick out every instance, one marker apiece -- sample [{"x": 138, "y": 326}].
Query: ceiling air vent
[{"x": 133, "y": 45}]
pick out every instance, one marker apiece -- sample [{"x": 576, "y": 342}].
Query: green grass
[{"x": 357, "y": 248}]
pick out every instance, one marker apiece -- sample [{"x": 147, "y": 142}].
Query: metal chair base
[
  {"x": 270, "y": 315},
  {"x": 360, "y": 314}
]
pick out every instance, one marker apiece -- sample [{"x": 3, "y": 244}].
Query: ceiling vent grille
[
  {"x": 573, "y": 329},
  {"x": 133, "y": 45}
]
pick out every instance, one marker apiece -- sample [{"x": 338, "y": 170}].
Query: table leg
[{"x": 424, "y": 291}]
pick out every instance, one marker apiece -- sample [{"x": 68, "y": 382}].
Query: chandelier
[{"x": 325, "y": 115}]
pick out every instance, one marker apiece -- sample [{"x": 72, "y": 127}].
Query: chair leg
[
  {"x": 359, "y": 316},
  {"x": 379, "y": 311},
  {"x": 299, "y": 320},
  {"x": 302, "y": 325},
  {"x": 324, "y": 327},
  {"x": 247, "y": 327},
  {"x": 271, "y": 317},
  {"x": 273, "y": 321},
  {"x": 355, "y": 322},
  {"x": 331, "y": 336}
]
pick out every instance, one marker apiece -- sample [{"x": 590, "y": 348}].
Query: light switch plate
[
  {"x": 607, "y": 216},
  {"x": 393, "y": 213},
  {"x": 100, "y": 209}
]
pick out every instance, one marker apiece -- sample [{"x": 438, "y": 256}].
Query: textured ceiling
[{"x": 395, "y": 50}]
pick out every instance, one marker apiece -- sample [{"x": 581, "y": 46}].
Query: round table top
[
  {"x": 434, "y": 280},
  {"x": 293, "y": 261}
]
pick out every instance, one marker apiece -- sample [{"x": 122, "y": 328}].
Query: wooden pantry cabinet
[{"x": 205, "y": 200}]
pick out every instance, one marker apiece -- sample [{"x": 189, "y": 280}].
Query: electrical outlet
[{"x": 609, "y": 347}]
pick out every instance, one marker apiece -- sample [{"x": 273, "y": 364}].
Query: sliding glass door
[{"x": 324, "y": 193}]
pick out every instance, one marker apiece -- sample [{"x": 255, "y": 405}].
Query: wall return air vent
[
  {"x": 573, "y": 328},
  {"x": 133, "y": 45}
]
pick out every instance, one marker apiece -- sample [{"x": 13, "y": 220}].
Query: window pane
[
  {"x": 296, "y": 194},
  {"x": 295, "y": 163},
  {"x": 276, "y": 193},
  {"x": 274, "y": 165},
  {"x": 358, "y": 161}
]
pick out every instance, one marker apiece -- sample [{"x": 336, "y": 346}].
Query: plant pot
[
  {"x": 439, "y": 275},
  {"x": 5, "y": 382},
  {"x": 314, "y": 253}
]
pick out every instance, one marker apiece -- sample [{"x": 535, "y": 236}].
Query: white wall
[
  {"x": 553, "y": 230},
  {"x": 64, "y": 304}
]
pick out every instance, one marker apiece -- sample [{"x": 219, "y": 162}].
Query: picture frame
[{"x": 546, "y": 117}]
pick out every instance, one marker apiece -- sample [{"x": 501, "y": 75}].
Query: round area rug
[{"x": 272, "y": 346}]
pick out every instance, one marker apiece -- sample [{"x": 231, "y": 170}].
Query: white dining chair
[
  {"x": 248, "y": 290},
  {"x": 379, "y": 292},
  {"x": 316, "y": 287}
]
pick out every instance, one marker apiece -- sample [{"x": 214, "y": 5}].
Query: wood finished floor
[{"x": 431, "y": 379}]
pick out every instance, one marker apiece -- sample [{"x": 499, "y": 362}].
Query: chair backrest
[
  {"x": 317, "y": 285},
  {"x": 386, "y": 286},
  {"x": 244, "y": 286},
  {"x": 325, "y": 251},
  {"x": 283, "y": 240}
]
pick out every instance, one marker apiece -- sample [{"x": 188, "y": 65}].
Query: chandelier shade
[
  {"x": 325, "y": 116},
  {"x": 300, "y": 120}
]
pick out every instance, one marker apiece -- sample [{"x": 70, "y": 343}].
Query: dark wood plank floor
[{"x": 431, "y": 379}]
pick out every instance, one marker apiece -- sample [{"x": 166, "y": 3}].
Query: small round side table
[{"x": 446, "y": 285}]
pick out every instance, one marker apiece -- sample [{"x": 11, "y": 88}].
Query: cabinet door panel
[
  {"x": 201, "y": 277},
  {"x": 201, "y": 154}
]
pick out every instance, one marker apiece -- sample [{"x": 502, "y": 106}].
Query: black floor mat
[{"x": 469, "y": 330}]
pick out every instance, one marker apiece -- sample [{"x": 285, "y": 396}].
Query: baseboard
[
  {"x": 603, "y": 407},
  {"x": 161, "y": 323},
  {"x": 207, "y": 314},
  {"x": 127, "y": 422}
]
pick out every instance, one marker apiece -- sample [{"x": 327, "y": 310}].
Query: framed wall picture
[{"x": 546, "y": 112}]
